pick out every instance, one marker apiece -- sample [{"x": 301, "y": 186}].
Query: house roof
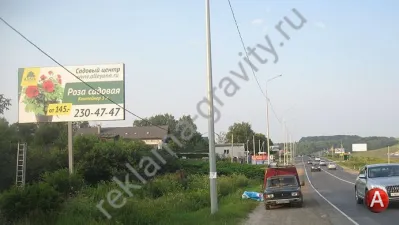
[{"x": 148, "y": 132}]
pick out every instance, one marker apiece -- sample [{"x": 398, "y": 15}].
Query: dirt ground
[{"x": 312, "y": 213}]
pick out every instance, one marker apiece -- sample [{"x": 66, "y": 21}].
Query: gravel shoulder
[{"x": 315, "y": 211}]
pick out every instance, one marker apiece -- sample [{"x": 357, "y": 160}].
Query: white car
[
  {"x": 323, "y": 163},
  {"x": 332, "y": 166},
  {"x": 317, "y": 159}
]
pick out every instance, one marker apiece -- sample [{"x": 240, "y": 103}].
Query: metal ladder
[{"x": 21, "y": 165}]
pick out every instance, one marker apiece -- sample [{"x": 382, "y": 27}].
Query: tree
[
  {"x": 157, "y": 120},
  {"x": 25, "y": 131},
  {"x": 263, "y": 142},
  {"x": 4, "y": 104},
  {"x": 221, "y": 138},
  {"x": 183, "y": 128},
  {"x": 242, "y": 132},
  {"x": 79, "y": 124}
]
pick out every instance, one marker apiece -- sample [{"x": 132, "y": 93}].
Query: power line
[
  {"x": 253, "y": 71},
  {"x": 59, "y": 64}
]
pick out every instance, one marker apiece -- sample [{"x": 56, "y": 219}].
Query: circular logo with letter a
[{"x": 377, "y": 200}]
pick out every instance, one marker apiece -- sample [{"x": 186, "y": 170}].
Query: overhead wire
[
  {"x": 88, "y": 85},
  {"x": 252, "y": 70}
]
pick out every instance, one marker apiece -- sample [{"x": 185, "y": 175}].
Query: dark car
[
  {"x": 283, "y": 190},
  {"x": 315, "y": 167}
]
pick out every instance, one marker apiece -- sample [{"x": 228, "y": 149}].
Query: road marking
[
  {"x": 338, "y": 177},
  {"x": 335, "y": 207}
]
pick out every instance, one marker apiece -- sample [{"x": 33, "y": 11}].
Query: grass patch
[
  {"x": 164, "y": 201},
  {"x": 357, "y": 162},
  {"x": 378, "y": 153}
]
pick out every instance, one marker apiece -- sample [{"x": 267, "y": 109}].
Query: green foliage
[
  {"x": 225, "y": 168},
  {"x": 357, "y": 163},
  {"x": 242, "y": 132},
  {"x": 63, "y": 182},
  {"x": 48, "y": 90},
  {"x": 146, "y": 207},
  {"x": 17, "y": 203},
  {"x": 5, "y": 103},
  {"x": 183, "y": 128}
]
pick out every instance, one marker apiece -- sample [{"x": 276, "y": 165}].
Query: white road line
[
  {"x": 338, "y": 177},
  {"x": 335, "y": 207}
]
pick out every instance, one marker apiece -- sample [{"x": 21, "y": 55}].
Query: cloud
[
  {"x": 257, "y": 22},
  {"x": 320, "y": 25}
]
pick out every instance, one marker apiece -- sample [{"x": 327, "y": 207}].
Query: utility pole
[
  {"x": 253, "y": 147},
  {"x": 292, "y": 150},
  {"x": 247, "y": 151},
  {"x": 211, "y": 114},
  {"x": 389, "y": 156},
  {"x": 232, "y": 146},
  {"x": 259, "y": 147},
  {"x": 267, "y": 118},
  {"x": 70, "y": 147}
]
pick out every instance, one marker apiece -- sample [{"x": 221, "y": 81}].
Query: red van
[{"x": 282, "y": 186}]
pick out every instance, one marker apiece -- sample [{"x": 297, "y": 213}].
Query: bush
[
  {"x": 63, "y": 182},
  {"x": 163, "y": 185},
  {"x": 17, "y": 203},
  {"x": 225, "y": 168}
]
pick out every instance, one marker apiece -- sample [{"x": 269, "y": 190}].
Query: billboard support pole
[{"x": 70, "y": 145}]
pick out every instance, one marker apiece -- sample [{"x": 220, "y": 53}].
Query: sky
[{"x": 339, "y": 70}]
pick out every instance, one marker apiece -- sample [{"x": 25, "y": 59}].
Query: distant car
[
  {"x": 317, "y": 158},
  {"x": 315, "y": 167},
  {"x": 332, "y": 166},
  {"x": 384, "y": 176},
  {"x": 323, "y": 163},
  {"x": 309, "y": 161}
]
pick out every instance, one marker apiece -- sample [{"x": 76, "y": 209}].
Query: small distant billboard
[
  {"x": 275, "y": 148},
  {"x": 359, "y": 147},
  {"x": 339, "y": 150}
]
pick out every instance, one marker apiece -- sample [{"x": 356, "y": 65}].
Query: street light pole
[
  {"x": 267, "y": 118},
  {"x": 211, "y": 114},
  {"x": 285, "y": 143}
]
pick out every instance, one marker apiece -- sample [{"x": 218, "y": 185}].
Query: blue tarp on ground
[{"x": 253, "y": 195}]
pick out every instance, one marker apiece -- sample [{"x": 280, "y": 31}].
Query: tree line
[{"x": 48, "y": 142}]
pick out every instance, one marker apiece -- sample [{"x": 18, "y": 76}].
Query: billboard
[
  {"x": 359, "y": 147},
  {"x": 339, "y": 150},
  {"x": 52, "y": 94},
  {"x": 259, "y": 159}
]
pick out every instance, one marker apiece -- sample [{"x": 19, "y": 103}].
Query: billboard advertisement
[
  {"x": 359, "y": 147},
  {"x": 259, "y": 159},
  {"x": 339, "y": 150},
  {"x": 52, "y": 94}
]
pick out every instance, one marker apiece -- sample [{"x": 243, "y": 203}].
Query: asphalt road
[
  {"x": 338, "y": 188},
  {"x": 328, "y": 200}
]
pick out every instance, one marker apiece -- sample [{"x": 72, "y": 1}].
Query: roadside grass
[
  {"x": 357, "y": 162},
  {"x": 232, "y": 210},
  {"x": 164, "y": 201},
  {"x": 378, "y": 153}
]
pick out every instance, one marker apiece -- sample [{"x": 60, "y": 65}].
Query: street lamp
[{"x": 267, "y": 119}]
